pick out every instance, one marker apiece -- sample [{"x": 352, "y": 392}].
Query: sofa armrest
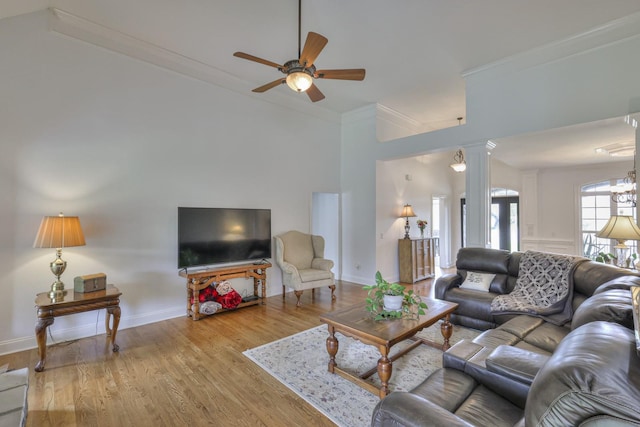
[
  {"x": 446, "y": 282},
  {"x": 515, "y": 363},
  {"x": 406, "y": 409},
  {"x": 322, "y": 264}
]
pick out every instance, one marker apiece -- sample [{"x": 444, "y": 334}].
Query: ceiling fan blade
[
  {"x": 268, "y": 86},
  {"x": 256, "y": 59},
  {"x": 314, "y": 93},
  {"x": 312, "y": 48},
  {"x": 348, "y": 74}
]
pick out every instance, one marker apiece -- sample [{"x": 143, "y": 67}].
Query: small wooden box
[{"x": 90, "y": 283}]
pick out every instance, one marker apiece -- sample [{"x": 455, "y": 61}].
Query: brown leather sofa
[
  {"x": 491, "y": 380},
  {"x": 592, "y": 379},
  {"x": 474, "y": 308}
]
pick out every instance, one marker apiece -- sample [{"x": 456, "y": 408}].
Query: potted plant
[
  {"x": 607, "y": 258},
  {"x": 391, "y": 301}
]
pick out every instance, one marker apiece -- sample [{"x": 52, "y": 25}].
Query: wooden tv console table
[{"x": 201, "y": 279}]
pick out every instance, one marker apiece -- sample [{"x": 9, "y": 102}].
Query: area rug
[{"x": 300, "y": 362}]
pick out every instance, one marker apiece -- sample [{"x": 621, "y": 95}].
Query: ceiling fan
[{"x": 301, "y": 72}]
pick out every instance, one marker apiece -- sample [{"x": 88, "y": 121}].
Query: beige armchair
[{"x": 301, "y": 258}]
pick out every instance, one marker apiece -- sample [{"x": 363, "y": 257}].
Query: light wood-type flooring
[{"x": 179, "y": 372}]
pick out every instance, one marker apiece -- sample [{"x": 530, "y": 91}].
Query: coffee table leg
[
  {"x": 384, "y": 371},
  {"x": 332, "y": 348},
  {"x": 446, "y": 329}
]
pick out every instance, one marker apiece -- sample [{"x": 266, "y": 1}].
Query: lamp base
[
  {"x": 406, "y": 229},
  {"x": 621, "y": 255},
  {"x": 57, "y": 290}
]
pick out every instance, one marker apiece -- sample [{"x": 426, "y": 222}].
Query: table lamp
[
  {"x": 59, "y": 232},
  {"x": 407, "y": 211},
  {"x": 620, "y": 228}
]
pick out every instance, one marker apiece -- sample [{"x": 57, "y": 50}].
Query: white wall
[
  {"x": 121, "y": 144},
  {"x": 415, "y": 181},
  {"x": 558, "y": 208}
]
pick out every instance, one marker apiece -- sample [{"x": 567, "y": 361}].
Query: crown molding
[
  {"x": 368, "y": 112},
  {"x": 392, "y": 116},
  {"x": 613, "y": 32},
  {"x": 82, "y": 29}
]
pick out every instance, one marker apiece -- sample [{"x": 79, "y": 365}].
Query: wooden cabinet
[{"x": 416, "y": 259}]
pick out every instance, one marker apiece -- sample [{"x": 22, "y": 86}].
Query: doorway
[
  {"x": 504, "y": 220},
  {"x": 505, "y": 233}
]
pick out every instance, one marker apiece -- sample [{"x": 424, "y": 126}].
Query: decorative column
[{"x": 478, "y": 195}]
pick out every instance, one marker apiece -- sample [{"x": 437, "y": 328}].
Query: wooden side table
[{"x": 72, "y": 303}]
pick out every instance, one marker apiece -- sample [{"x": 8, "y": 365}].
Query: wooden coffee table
[{"x": 357, "y": 323}]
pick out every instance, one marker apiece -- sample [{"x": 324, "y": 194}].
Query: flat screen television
[{"x": 208, "y": 236}]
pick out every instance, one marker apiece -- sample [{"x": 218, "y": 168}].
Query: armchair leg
[
  {"x": 333, "y": 289},
  {"x": 298, "y": 295},
  {"x": 284, "y": 290}
]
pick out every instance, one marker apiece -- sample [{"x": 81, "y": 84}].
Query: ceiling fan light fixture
[{"x": 299, "y": 81}]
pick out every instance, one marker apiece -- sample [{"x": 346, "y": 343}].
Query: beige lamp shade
[
  {"x": 407, "y": 211},
  {"x": 59, "y": 232},
  {"x": 621, "y": 228}
]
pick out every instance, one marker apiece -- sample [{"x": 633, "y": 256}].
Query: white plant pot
[{"x": 393, "y": 302}]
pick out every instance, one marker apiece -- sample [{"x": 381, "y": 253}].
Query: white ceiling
[
  {"x": 414, "y": 51},
  {"x": 569, "y": 146}
]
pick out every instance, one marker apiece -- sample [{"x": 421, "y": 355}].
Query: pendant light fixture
[{"x": 459, "y": 165}]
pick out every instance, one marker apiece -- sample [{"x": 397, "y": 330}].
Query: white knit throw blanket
[{"x": 544, "y": 288}]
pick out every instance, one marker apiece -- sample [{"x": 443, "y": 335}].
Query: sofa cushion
[
  {"x": 472, "y": 303},
  {"x": 482, "y": 259},
  {"x": 493, "y": 261},
  {"x": 311, "y": 275},
  {"x": 611, "y": 306},
  {"x": 589, "y": 275},
  {"x": 547, "y": 336},
  {"x": 460, "y": 394},
  {"x": 515, "y": 363},
  {"x": 526, "y": 332},
  {"x": 298, "y": 249}
]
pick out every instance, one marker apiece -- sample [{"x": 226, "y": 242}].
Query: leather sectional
[{"x": 523, "y": 370}]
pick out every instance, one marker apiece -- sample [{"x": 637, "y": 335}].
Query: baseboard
[
  {"x": 89, "y": 330},
  {"x": 355, "y": 279}
]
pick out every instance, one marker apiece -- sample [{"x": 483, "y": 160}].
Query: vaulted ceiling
[{"x": 415, "y": 52}]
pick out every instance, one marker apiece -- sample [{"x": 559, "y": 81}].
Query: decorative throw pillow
[{"x": 477, "y": 281}]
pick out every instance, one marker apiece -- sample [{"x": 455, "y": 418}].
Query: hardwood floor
[{"x": 180, "y": 372}]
